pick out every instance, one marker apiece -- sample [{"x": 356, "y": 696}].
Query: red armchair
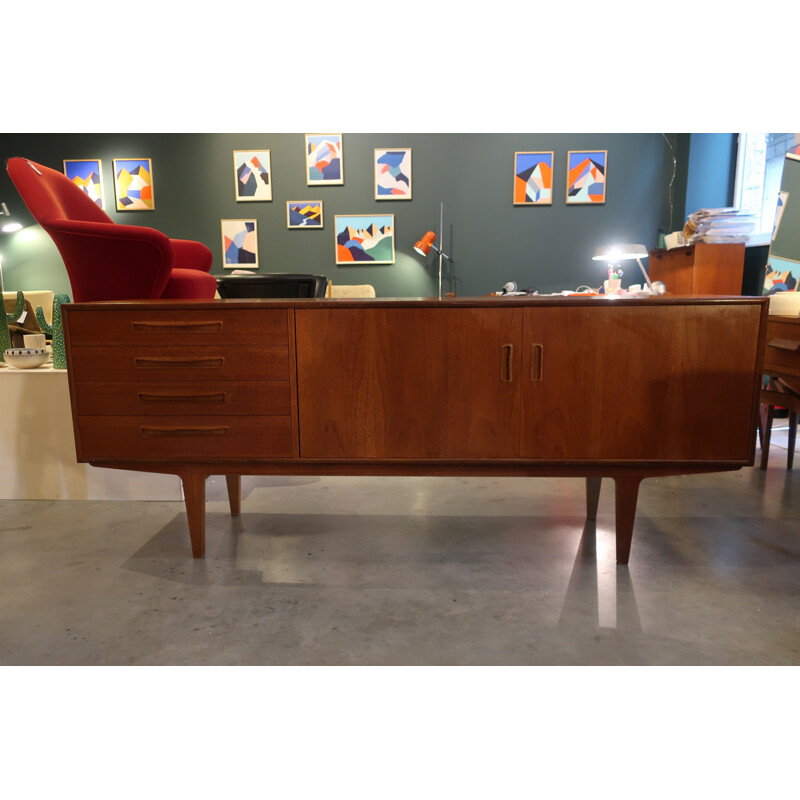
[{"x": 104, "y": 260}]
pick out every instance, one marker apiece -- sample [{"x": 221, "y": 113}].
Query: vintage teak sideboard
[{"x": 589, "y": 387}]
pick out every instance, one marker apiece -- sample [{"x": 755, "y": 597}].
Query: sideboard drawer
[
  {"x": 190, "y": 327},
  {"x": 172, "y": 438},
  {"x": 265, "y": 362},
  {"x": 195, "y": 398}
]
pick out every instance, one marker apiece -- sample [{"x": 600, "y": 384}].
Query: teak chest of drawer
[
  {"x": 177, "y": 385},
  {"x": 519, "y": 386}
]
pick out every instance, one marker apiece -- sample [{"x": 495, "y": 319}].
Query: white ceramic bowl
[{"x": 26, "y": 357}]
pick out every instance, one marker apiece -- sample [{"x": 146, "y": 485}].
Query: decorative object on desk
[
  {"x": 324, "y": 164},
  {"x": 783, "y": 199},
  {"x": 252, "y": 175},
  {"x": 586, "y": 176},
  {"x": 133, "y": 184},
  {"x": 304, "y": 215},
  {"x": 239, "y": 243},
  {"x": 364, "y": 239},
  {"x": 87, "y": 175},
  {"x": 393, "y": 174},
  {"x": 26, "y": 357},
  {"x": 21, "y": 319},
  {"x": 612, "y": 254},
  {"x": 424, "y": 245},
  {"x": 533, "y": 178},
  {"x": 55, "y": 331},
  {"x": 37, "y": 341},
  {"x": 9, "y": 225}
]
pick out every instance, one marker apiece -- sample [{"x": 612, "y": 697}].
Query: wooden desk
[
  {"x": 781, "y": 361},
  {"x": 699, "y": 269},
  {"x": 625, "y": 388}
]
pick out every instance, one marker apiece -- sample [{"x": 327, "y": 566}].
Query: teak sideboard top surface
[{"x": 624, "y": 388}]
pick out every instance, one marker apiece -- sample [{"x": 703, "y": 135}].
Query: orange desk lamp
[{"x": 426, "y": 244}]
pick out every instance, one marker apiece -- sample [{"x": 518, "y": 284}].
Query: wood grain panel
[
  {"x": 175, "y": 362},
  {"x": 408, "y": 383},
  {"x": 660, "y": 383},
  {"x": 228, "y": 325},
  {"x": 272, "y": 398},
  {"x": 172, "y": 438}
]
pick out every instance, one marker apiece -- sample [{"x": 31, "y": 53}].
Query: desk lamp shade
[
  {"x": 624, "y": 252},
  {"x": 423, "y": 246}
]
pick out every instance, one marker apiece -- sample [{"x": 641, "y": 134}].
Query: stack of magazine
[{"x": 719, "y": 226}]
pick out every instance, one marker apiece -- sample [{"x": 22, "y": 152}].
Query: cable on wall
[{"x": 672, "y": 180}]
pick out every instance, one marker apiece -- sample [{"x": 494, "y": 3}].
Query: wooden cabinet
[
  {"x": 699, "y": 269},
  {"x": 624, "y": 388}
]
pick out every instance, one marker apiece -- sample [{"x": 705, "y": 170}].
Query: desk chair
[
  {"x": 777, "y": 393},
  {"x": 358, "y": 290},
  {"x": 104, "y": 260}
]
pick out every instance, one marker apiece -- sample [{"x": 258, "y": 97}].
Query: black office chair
[{"x": 274, "y": 285}]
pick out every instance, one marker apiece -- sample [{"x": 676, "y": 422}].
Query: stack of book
[{"x": 719, "y": 226}]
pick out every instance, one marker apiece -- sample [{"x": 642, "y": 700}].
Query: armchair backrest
[{"x": 51, "y": 195}]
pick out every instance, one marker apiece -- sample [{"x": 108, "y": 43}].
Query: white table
[{"x": 37, "y": 447}]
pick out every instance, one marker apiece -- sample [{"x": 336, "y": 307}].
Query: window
[{"x": 759, "y": 169}]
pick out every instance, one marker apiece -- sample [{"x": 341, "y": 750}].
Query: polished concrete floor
[{"x": 411, "y": 571}]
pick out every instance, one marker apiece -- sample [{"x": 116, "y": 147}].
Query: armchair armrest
[
  {"x": 106, "y": 261},
  {"x": 191, "y": 255}
]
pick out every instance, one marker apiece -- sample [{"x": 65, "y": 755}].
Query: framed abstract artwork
[
  {"x": 783, "y": 198},
  {"x": 304, "y": 214},
  {"x": 252, "y": 175},
  {"x": 239, "y": 243},
  {"x": 133, "y": 184},
  {"x": 393, "y": 174},
  {"x": 364, "y": 239},
  {"x": 324, "y": 165},
  {"x": 533, "y": 178},
  {"x": 87, "y": 173},
  {"x": 586, "y": 176},
  {"x": 794, "y": 152}
]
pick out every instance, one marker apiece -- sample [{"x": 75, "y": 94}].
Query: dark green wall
[
  {"x": 711, "y": 173},
  {"x": 548, "y": 248}
]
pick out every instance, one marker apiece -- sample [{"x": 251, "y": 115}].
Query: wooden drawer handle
[
  {"x": 506, "y": 355},
  {"x": 536, "y": 362},
  {"x": 177, "y": 327},
  {"x": 785, "y": 344},
  {"x": 185, "y": 431},
  {"x": 218, "y": 397},
  {"x": 166, "y": 362}
]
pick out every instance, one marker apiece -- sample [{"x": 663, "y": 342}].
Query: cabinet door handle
[
  {"x": 166, "y": 362},
  {"x": 218, "y": 397},
  {"x": 184, "y": 431},
  {"x": 176, "y": 326},
  {"x": 536, "y": 362},
  {"x": 506, "y": 356}
]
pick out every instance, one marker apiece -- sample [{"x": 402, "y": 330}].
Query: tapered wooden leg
[
  {"x": 767, "y": 416},
  {"x": 792, "y": 438},
  {"x": 234, "y": 494},
  {"x": 626, "y": 493},
  {"x": 592, "y": 496},
  {"x": 194, "y": 489}
]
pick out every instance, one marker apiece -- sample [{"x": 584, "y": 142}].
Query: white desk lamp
[{"x": 624, "y": 252}]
